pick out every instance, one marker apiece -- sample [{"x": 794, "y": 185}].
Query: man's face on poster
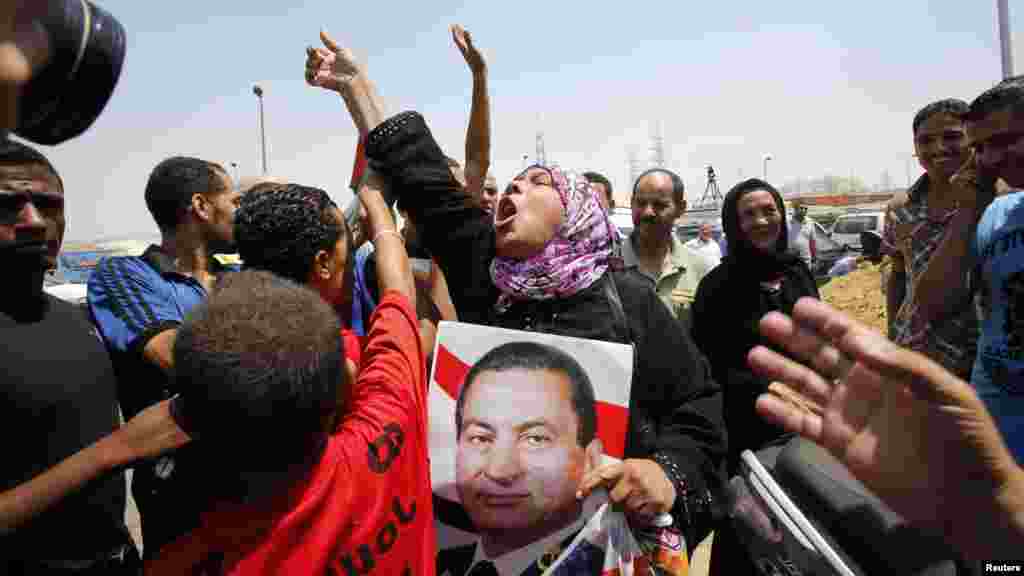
[{"x": 519, "y": 461}]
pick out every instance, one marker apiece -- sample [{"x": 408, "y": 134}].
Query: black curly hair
[{"x": 281, "y": 228}]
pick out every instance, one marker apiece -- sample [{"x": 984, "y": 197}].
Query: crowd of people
[{"x": 276, "y": 416}]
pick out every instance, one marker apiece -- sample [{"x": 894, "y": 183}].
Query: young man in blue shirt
[{"x": 137, "y": 304}]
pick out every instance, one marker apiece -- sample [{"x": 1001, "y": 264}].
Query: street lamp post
[
  {"x": 1005, "y": 48},
  {"x": 258, "y": 91},
  {"x": 764, "y": 168}
]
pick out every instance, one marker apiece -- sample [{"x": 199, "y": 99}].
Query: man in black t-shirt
[{"x": 62, "y": 494}]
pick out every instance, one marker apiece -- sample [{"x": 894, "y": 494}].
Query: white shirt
[
  {"x": 517, "y": 561},
  {"x": 800, "y": 238},
  {"x": 709, "y": 250}
]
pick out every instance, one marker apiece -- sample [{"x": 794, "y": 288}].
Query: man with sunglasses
[
  {"x": 62, "y": 492},
  {"x": 138, "y": 303}
]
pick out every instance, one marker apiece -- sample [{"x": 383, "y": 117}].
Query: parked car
[{"x": 847, "y": 228}]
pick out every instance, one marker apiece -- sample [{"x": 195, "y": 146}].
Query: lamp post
[
  {"x": 1005, "y": 48},
  {"x": 258, "y": 91},
  {"x": 764, "y": 167}
]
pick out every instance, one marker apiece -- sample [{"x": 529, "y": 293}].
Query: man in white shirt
[
  {"x": 704, "y": 245},
  {"x": 801, "y": 235}
]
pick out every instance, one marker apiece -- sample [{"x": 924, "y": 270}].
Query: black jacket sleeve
[
  {"x": 681, "y": 426},
  {"x": 452, "y": 226}
]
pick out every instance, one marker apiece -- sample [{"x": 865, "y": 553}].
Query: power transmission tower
[
  {"x": 657, "y": 149},
  {"x": 634, "y": 169}
]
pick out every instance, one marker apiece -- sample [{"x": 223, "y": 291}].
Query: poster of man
[{"x": 517, "y": 419}]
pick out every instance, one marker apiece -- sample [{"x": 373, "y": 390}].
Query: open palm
[
  {"x": 330, "y": 67},
  {"x": 464, "y": 41},
  {"x": 909, "y": 430}
]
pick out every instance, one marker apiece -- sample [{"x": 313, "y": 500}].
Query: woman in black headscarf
[{"x": 758, "y": 276}]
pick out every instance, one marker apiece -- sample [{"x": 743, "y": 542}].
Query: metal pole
[
  {"x": 1004, "y": 37},
  {"x": 263, "y": 134}
]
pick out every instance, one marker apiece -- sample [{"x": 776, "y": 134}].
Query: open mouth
[{"x": 505, "y": 213}]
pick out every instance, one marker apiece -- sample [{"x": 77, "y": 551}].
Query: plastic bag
[{"x": 607, "y": 540}]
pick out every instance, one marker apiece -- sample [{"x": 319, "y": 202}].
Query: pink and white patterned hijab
[{"x": 573, "y": 260}]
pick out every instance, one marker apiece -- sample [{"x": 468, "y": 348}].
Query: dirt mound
[{"x": 859, "y": 294}]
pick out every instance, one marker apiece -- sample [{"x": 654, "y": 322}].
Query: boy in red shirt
[{"x": 259, "y": 366}]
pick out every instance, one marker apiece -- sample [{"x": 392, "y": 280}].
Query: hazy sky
[{"x": 825, "y": 87}]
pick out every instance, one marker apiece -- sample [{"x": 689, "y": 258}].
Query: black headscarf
[{"x": 743, "y": 258}]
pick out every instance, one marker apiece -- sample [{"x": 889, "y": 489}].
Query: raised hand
[
  {"x": 335, "y": 68},
  {"x": 331, "y": 67},
  {"x": 464, "y": 41},
  {"x": 909, "y": 430}
]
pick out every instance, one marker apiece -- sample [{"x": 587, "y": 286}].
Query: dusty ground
[{"x": 859, "y": 294}]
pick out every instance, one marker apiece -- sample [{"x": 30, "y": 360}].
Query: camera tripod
[{"x": 712, "y": 196}]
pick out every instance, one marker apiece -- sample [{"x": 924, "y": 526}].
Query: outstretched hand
[
  {"x": 464, "y": 41},
  {"x": 909, "y": 430},
  {"x": 331, "y": 67}
]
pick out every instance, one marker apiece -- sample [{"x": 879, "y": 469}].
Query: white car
[
  {"x": 73, "y": 293},
  {"x": 847, "y": 228}
]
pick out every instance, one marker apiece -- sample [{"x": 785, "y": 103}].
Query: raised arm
[
  {"x": 452, "y": 225},
  {"x": 943, "y": 284},
  {"x": 150, "y": 433},
  {"x": 455, "y": 229},
  {"x": 394, "y": 273},
  {"x": 478, "y": 135}
]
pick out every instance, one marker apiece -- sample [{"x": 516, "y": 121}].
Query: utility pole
[
  {"x": 258, "y": 91},
  {"x": 1005, "y": 44}
]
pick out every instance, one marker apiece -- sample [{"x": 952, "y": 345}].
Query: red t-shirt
[
  {"x": 354, "y": 345},
  {"x": 365, "y": 508}
]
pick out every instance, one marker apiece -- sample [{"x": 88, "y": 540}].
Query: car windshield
[{"x": 855, "y": 224}]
